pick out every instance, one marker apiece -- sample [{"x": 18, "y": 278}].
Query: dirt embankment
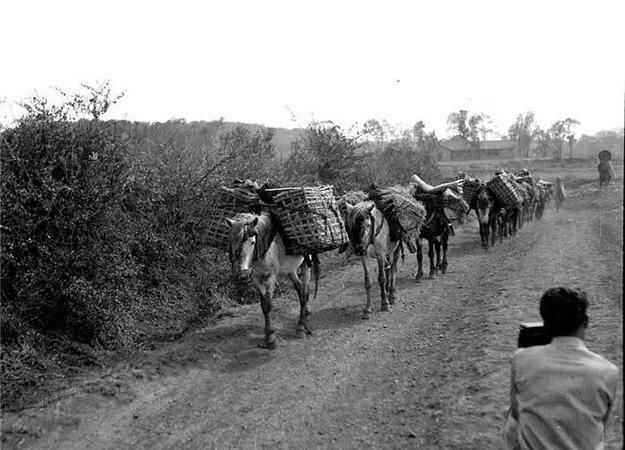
[{"x": 432, "y": 373}]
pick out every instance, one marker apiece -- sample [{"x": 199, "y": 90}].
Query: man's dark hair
[{"x": 563, "y": 310}]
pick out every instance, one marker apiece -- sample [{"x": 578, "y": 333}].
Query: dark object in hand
[{"x": 533, "y": 333}]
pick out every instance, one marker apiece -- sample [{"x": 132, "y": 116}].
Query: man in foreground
[{"x": 561, "y": 393}]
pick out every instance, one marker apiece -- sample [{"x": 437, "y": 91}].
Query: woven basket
[
  {"x": 217, "y": 230},
  {"x": 228, "y": 203},
  {"x": 310, "y": 219},
  {"x": 505, "y": 190},
  {"x": 470, "y": 186}
]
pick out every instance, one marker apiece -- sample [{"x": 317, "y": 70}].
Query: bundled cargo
[
  {"x": 456, "y": 203},
  {"x": 470, "y": 186},
  {"x": 350, "y": 198},
  {"x": 400, "y": 208},
  {"x": 505, "y": 189},
  {"x": 310, "y": 219}
]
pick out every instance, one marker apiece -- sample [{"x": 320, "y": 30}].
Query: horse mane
[
  {"x": 359, "y": 213},
  {"x": 265, "y": 231}
]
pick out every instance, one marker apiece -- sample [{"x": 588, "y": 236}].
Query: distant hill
[{"x": 200, "y": 136}]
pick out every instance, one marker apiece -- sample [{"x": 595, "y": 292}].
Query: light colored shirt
[{"x": 561, "y": 397}]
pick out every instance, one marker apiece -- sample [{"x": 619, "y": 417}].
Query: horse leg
[
  {"x": 382, "y": 281},
  {"x": 302, "y": 288},
  {"x": 419, "y": 275},
  {"x": 266, "y": 285},
  {"x": 431, "y": 256},
  {"x": 444, "y": 241},
  {"x": 492, "y": 223},
  {"x": 368, "y": 310},
  {"x": 391, "y": 275},
  {"x": 437, "y": 249}
]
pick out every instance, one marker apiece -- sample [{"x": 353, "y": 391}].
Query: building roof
[{"x": 459, "y": 145}]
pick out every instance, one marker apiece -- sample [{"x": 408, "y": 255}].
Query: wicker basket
[
  {"x": 228, "y": 203},
  {"x": 505, "y": 190},
  {"x": 310, "y": 219},
  {"x": 470, "y": 186},
  {"x": 217, "y": 230}
]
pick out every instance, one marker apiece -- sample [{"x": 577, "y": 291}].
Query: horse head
[
  {"x": 360, "y": 226},
  {"x": 249, "y": 239}
]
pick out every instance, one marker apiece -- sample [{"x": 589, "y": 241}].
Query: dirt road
[{"x": 433, "y": 373}]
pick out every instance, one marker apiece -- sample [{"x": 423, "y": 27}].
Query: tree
[
  {"x": 569, "y": 133},
  {"x": 324, "y": 154},
  {"x": 523, "y": 131},
  {"x": 457, "y": 123},
  {"x": 557, "y": 132},
  {"x": 465, "y": 126},
  {"x": 374, "y": 129},
  {"x": 485, "y": 127},
  {"x": 426, "y": 142}
]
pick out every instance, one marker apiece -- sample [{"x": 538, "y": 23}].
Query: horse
[
  {"x": 370, "y": 236},
  {"x": 606, "y": 172},
  {"x": 257, "y": 251},
  {"x": 436, "y": 230},
  {"x": 486, "y": 209}
]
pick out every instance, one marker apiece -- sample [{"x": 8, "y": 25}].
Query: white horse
[{"x": 257, "y": 251}]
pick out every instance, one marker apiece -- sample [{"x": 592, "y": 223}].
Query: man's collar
[{"x": 568, "y": 341}]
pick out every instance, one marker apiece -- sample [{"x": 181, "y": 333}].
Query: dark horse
[
  {"x": 436, "y": 230},
  {"x": 257, "y": 251},
  {"x": 488, "y": 214}
]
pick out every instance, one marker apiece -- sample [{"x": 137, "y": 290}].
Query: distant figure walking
[
  {"x": 605, "y": 168},
  {"x": 559, "y": 194}
]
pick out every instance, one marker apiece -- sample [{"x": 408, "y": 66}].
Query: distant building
[{"x": 505, "y": 149}]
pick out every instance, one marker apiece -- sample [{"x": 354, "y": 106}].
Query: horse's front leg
[
  {"x": 419, "y": 275},
  {"x": 431, "y": 256},
  {"x": 492, "y": 223},
  {"x": 444, "y": 242},
  {"x": 382, "y": 262},
  {"x": 302, "y": 287},
  {"x": 368, "y": 310},
  {"x": 266, "y": 285}
]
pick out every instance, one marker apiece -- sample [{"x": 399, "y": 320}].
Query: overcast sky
[{"x": 285, "y": 63}]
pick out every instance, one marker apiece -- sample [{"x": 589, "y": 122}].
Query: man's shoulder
[
  {"x": 594, "y": 361},
  {"x": 601, "y": 362}
]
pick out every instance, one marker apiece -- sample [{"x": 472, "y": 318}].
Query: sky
[{"x": 287, "y": 63}]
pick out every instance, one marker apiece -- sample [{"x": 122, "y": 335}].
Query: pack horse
[
  {"x": 257, "y": 250},
  {"x": 370, "y": 237}
]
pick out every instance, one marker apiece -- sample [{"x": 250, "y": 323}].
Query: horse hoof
[
  {"x": 366, "y": 315},
  {"x": 268, "y": 345},
  {"x": 300, "y": 334},
  {"x": 432, "y": 276},
  {"x": 385, "y": 308}
]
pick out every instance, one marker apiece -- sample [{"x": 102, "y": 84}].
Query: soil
[{"x": 431, "y": 374}]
